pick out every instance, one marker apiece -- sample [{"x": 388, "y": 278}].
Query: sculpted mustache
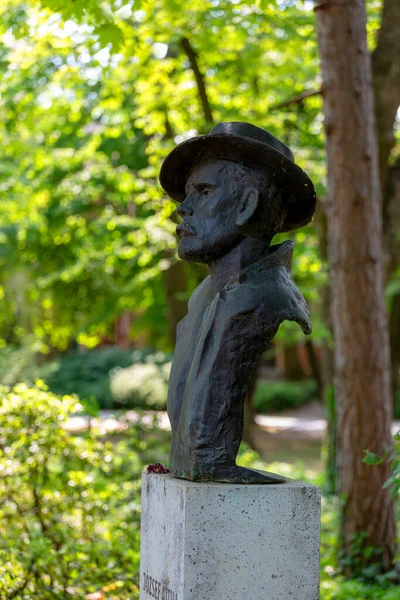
[{"x": 185, "y": 229}]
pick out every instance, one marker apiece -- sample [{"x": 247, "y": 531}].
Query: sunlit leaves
[
  {"x": 69, "y": 519},
  {"x": 93, "y": 95}
]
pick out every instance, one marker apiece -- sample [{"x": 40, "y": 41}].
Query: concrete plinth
[{"x": 211, "y": 541}]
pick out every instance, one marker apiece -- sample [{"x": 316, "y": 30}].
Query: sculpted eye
[{"x": 206, "y": 191}]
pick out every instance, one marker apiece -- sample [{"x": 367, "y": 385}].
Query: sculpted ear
[{"x": 248, "y": 205}]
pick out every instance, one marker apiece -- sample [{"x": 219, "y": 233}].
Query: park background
[{"x": 93, "y": 95}]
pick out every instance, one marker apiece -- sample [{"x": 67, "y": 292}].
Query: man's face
[{"x": 209, "y": 212}]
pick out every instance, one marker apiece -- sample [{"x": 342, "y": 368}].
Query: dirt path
[
  {"x": 305, "y": 423},
  {"x": 293, "y": 436}
]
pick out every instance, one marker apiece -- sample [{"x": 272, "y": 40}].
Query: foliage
[
  {"x": 277, "y": 396},
  {"x": 68, "y": 514},
  {"x": 369, "y": 586},
  {"x": 94, "y": 97},
  {"x": 69, "y": 506},
  {"x": 88, "y": 374},
  {"x": 143, "y": 385},
  {"x": 393, "y": 455},
  {"x": 19, "y": 364},
  {"x": 111, "y": 376}
]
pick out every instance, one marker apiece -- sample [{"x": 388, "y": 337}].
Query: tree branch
[
  {"x": 297, "y": 99},
  {"x": 192, "y": 57},
  {"x": 169, "y": 132},
  {"x": 21, "y": 587}
]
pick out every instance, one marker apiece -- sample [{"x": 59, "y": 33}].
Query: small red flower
[{"x": 157, "y": 468}]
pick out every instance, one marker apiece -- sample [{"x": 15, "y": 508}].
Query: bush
[
  {"x": 88, "y": 374},
  {"x": 69, "y": 506},
  {"x": 141, "y": 386},
  {"x": 109, "y": 377},
  {"x": 277, "y": 396},
  {"x": 20, "y": 365},
  {"x": 393, "y": 456}
]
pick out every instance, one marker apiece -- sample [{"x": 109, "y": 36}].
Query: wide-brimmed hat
[{"x": 249, "y": 146}]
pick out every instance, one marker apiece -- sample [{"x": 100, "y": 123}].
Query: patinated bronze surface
[{"x": 238, "y": 186}]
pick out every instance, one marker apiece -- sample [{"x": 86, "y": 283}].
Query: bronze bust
[{"x": 237, "y": 187}]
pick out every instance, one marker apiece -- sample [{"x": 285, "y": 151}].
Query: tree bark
[
  {"x": 327, "y": 359},
  {"x": 175, "y": 282},
  {"x": 293, "y": 370},
  {"x": 122, "y": 330},
  {"x": 315, "y": 365},
  {"x": 362, "y": 362},
  {"x": 386, "y": 79},
  {"x": 391, "y": 217},
  {"x": 394, "y": 327}
]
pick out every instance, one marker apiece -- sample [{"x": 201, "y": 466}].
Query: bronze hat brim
[{"x": 298, "y": 190}]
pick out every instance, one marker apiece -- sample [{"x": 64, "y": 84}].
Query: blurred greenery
[
  {"x": 144, "y": 385},
  {"x": 393, "y": 455},
  {"x": 93, "y": 95},
  {"x": 92, "y": 98},
  {"x": 70, "y": 505},
  {"x": 110, "y": 377},
  {"x": 115, "y": 377},
  {"x": 277, "y": 396}
]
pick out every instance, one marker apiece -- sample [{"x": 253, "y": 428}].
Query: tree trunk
[
  {"x": 175, "y": 282},
  {"x": 391, "y": 218},
  {"x": 122, "y": 330},
  {"x": 386, "y": 81},
  {"x": 176, "y": 288},
  {"x": 394, "y": 327},
  {"x": 315, "y": 365},
  {"x": 329, "y": 398},
  {"x": 362, "y": 363},
  {"x": 327, "y": 359},
  {"x": 293, "y": 370}
]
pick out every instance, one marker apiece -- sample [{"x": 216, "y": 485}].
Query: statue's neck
[{"x": 247, "y": 252}]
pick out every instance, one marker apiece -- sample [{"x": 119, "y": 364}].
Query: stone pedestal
[{"x": 212, "y": 541}]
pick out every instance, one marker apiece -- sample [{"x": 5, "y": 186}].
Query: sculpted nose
[{"x": 184, "y": 209}]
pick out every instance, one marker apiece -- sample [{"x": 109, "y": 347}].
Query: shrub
[
  {"x": 20, "y": 365},
  {"x": 393, "y": 455},
  {"x": 107, "y": 377},
  {"x": 69, "y": 506},
  {"x": 276, "y": 396},
  {"x": 143, "y": 385},
  {"x": 88, "y": 374}
]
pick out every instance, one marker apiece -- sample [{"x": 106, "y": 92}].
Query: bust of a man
[{"x": 237, "y": 186}]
